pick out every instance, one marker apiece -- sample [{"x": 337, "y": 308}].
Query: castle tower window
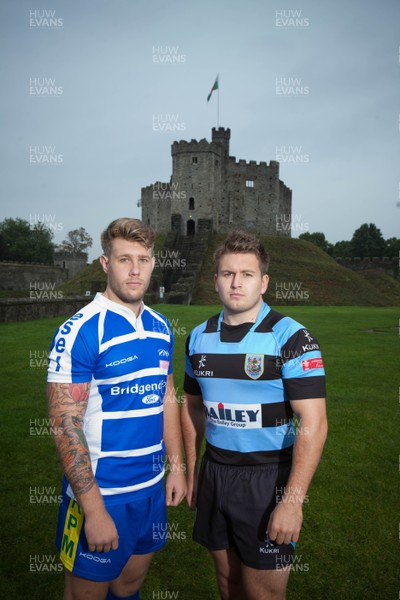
[
  {"x": 191, "y": 203},
  {"x": 250, "y": 183},
  {"x": 194, "y": 159}
]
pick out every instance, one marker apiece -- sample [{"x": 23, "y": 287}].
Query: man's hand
[
  {"x": 175, "y": 488},
  {"x": 101, "y": 533},
  {"x": 285, "y": 522},
  {"x": 191, "y": 496}
]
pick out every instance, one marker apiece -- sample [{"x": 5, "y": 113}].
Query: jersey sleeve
[
  {"x": 303, "y": 371},
  {"x": 74, "y": 351},
  {"x": 190, "y": 385},
  {"x": 171, "y": 348}
]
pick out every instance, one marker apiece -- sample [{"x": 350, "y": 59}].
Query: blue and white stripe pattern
[{"x": 127, "y": 360}]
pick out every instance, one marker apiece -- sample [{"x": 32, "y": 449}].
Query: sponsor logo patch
[
  {"x": 151, "y": 399},
  {"x": 242, "y": 416},
  {"x": 312, "y": 363},
  {"x": 164, "y": 364}
]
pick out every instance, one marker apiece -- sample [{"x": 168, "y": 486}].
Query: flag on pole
[{"x": 214, "y": 87}]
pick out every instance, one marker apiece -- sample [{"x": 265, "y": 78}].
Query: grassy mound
[{"x": 300, "y": 273}]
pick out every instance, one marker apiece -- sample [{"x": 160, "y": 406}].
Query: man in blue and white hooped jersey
[
  {"x": 251, "y": 373},
  {"x": 113, "y": 406}
]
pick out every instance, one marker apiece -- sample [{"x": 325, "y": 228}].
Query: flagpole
[
  {"x": 218, "y": 105},
  {"x": 215, "y": 87}
]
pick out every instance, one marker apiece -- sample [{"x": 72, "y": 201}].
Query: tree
[
  {"x": 318, "y": 239},
  {"x": 25, "y": 242},
  {"x": 342, "y": 249},
  {"x": 392, "y": 247},
  {"x": 367, "y": 241},
  {"x": 77, "y": 241}
]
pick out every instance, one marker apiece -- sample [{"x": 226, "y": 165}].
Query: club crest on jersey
[{"x": 254, "y": 365}]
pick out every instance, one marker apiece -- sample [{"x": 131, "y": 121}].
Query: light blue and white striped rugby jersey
[{"x": 127, "y": 361}]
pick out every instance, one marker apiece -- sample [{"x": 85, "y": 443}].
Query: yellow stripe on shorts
[{"x": 71, "y": 533}]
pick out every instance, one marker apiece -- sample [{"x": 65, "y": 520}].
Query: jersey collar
[{"x": 264, "y": 310}]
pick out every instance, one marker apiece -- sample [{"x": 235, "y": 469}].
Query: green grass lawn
[{"x": 349, "y": 544}]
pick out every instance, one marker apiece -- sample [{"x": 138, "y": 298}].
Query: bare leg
[
  {"x": 228, "y": 570},
  {"x": 132, "y": 576},
  {"x": 77, "y": 588},
  {"x": 264, "y": 585}
]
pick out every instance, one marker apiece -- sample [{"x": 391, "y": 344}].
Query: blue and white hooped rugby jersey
[
  {"x": 247, "y": 375},
  {"x": 127, "y": 361}
]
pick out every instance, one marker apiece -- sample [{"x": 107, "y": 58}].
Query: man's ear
[
  {"x": 265, "y": 284},
  {"x": 215, "y": 282},
  {"x": 104, "y": 263}
]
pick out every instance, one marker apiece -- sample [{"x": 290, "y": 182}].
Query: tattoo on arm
[{"x": 67, "y": 407}]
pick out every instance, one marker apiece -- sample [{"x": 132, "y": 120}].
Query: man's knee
[
  {"x": 132, "y": 576},
  {"x": 265, "y": 584}
]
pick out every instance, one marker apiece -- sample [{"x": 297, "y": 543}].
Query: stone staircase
[{"x": 178, "y": 265}]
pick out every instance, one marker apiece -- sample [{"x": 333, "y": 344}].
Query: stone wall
[
  {"x": 256, "y": 197},
  {"x": 156, "y": 205},
  {"x": 21, "y": 309},
  {"x": 390, "y": 265},
  {"x": 73, "y": 263},
  {"x": 25, "y": 309},
  {"x": 30, "y": 276}
]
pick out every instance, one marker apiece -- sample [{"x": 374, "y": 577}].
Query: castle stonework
[{"x": 212, "y": 190}]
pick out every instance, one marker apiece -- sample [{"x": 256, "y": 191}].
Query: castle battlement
[
  {"x": 195, "y": 147},
  {"x": 208, "y": 185},
  {"x": 184, "y": 144},
  {"x": 273, "y": 164}
]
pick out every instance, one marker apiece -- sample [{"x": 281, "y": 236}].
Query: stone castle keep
[{"x": 212, "y": 191}]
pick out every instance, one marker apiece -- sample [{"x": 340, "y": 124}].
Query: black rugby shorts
[{"x": 233, "y": 508}]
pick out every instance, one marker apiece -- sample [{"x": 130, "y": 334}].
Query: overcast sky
[{"x": 314, "y": 84}]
